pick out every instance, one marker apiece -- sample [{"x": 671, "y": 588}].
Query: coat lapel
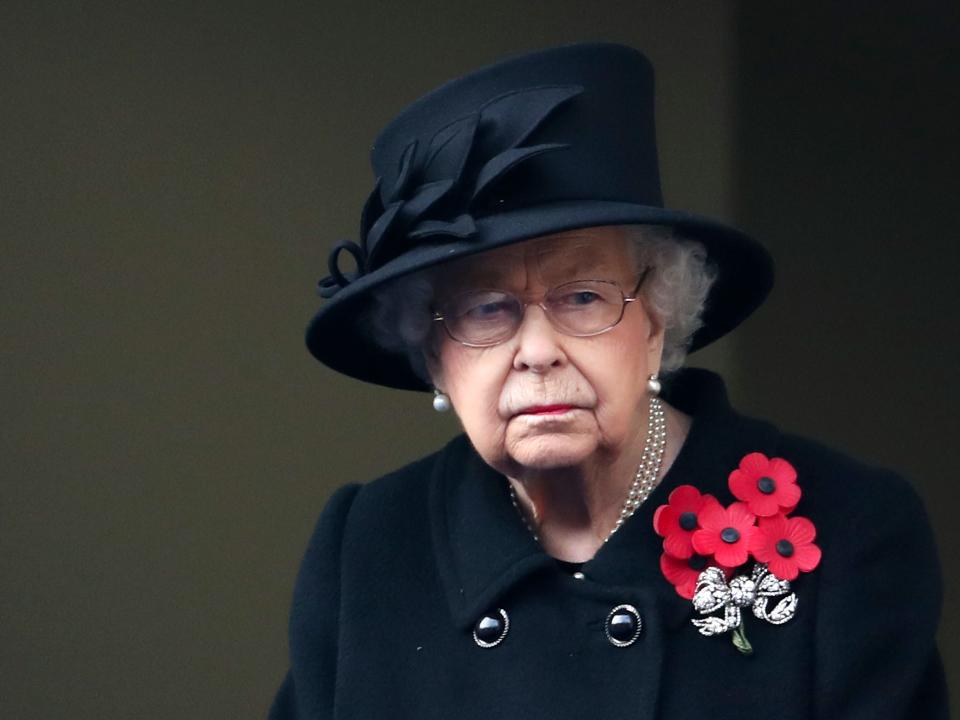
[{"x": 481, "y": 545}]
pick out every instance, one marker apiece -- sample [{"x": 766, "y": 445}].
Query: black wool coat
[{"x": 399, "y": 571}]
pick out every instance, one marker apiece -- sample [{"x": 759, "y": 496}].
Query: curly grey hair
[{"x": 674, "y": 293}]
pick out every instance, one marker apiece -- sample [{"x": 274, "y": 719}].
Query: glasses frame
[{"x": 633, "y": 297}]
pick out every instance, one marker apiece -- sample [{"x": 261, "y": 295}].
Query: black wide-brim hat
[{"x": 534, "y": 145}]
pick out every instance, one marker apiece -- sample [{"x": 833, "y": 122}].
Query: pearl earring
[
  {"x": 653, "y": 385},
  {"x": 441, "y": 401}
]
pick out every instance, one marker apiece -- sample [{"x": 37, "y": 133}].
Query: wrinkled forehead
[{"x": 591, "y": 253}]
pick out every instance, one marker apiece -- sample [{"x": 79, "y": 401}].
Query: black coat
[{"x": 399, "y": 571}]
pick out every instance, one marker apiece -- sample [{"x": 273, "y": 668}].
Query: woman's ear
[
  {"x": 654, "y": 362},
  {"x": 432, "y": 361},
  {"x": 655, "y": 337}
]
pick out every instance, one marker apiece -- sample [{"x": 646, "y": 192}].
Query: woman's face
[{"x": 543, "y": 399}]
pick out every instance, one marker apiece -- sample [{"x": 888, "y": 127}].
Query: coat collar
[{"x": 483, "y": 548}]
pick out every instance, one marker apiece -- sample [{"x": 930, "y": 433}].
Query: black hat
[{"x": 534, "y": 145}]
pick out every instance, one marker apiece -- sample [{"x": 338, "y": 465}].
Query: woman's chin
[{"x": 548, "y": 451}]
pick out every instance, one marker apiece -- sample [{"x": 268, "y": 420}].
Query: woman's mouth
[{"x": 547, "y": 409}]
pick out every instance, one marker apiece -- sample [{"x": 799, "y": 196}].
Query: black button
[
  {"x": 688, "y": 521},
  {"x": 623, "y": 625},
  {"x": 491, "y": 629}
]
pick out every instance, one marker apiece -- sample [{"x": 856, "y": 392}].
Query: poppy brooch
[{"x": 707, "y": 547}]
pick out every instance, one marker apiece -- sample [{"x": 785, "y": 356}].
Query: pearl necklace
[{"x": 646, "y": 478}]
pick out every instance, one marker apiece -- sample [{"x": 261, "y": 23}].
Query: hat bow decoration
[{"x": 438, "y": 188}]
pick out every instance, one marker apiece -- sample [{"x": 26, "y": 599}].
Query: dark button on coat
[{"x": 400, "y": 570}]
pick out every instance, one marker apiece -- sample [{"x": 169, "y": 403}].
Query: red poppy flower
[
  {"x": 767, "y": 485},
  {"x": 683, "y": 573},
  {"x": 786, "y": 546},
  {"x": 726, "y": 533},
  {"x": 676, "y": 521}
]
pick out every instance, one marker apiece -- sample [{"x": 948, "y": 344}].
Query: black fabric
[
  {"x": 549, "y": 141},
  {"x": 399, "y": 571}
]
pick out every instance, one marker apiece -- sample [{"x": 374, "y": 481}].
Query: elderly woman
[{"x": 609, "y": 537}]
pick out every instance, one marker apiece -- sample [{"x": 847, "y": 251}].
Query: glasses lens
[
  {"x": 482, "y": 317},
  {"x": 585, "y": 307}
]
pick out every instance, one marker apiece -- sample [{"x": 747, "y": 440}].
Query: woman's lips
[{"x": 547, "y": 410}]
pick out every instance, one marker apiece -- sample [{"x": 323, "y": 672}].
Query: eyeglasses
[{"x": 481, "y": 318}]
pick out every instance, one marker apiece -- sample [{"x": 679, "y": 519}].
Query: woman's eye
[
  {"x": 487, "y": 311},
  {"x": 581, "y": 297}
]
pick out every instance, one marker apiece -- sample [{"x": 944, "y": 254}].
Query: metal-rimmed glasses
[{"x": 581, "y": 308}]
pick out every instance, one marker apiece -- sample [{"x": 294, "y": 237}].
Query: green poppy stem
[{"x": 740, "y": 640}]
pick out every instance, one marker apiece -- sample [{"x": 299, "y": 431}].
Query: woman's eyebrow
[
  {"x": 576, "y": 268},
  {"x": 479, "y": 280},
  {"x": 551, "y": 267}
]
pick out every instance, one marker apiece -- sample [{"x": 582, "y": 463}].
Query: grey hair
[
  {"x": 674, "y": 293},
  {"x": 401, "y": 317}
]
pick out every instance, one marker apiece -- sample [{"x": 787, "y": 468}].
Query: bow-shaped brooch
[
  {"x": 438, "y": 187},
  {"x": 713, "y": 593},
  {"x": 705, "y": 543}
]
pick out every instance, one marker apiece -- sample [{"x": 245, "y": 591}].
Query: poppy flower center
[
  {"x": 766, "y": 485},
  {"x": 697, "y": 562},
  {"x": 785, "y": 548},
  {"x": 688, "y": 521},
  {"x": 729, "y": 535}
]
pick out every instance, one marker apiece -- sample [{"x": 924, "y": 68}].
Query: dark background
[{"x": 172, "y": 175}]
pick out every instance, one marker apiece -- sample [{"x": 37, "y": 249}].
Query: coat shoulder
[
  {"x": 397, "y": 505},
  {"x": 398, "y": 489},
  {"x": 831, "y": 476},
  {"x": 861, "y": 510}
]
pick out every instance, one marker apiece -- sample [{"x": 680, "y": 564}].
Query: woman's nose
[{"x": 538, "y": 342}]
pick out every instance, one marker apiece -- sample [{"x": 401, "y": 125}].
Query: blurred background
[{"x": 172, "y": 175}]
